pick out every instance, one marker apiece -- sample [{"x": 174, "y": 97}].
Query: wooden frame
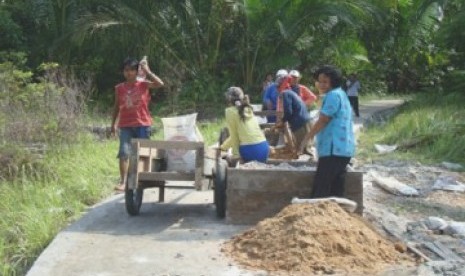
[
  {"x": 267, "y": 113},
  {"x": 144, "y": 152}
]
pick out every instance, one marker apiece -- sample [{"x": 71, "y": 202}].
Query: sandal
[{"x": 120, "y": 188}]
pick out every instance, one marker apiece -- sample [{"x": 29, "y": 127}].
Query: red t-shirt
[
  {"x": 306, "y": 95},
  {"x": 133, "y": 101}
]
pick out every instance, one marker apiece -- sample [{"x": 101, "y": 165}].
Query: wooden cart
[{"x": 147, "y": 169}]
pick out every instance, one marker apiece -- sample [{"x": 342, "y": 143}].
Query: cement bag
[
  {"x": 181, "y": 128},
  {"x": 393, "y": 186},
  {"x": 435, "y": 223}
]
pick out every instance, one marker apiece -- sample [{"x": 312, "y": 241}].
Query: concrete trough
[{"x": 255, "y": 194}]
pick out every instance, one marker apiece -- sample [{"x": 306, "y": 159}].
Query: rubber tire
[
  {"x": 220, "y": 189},
  {"x": 133, "y": 199}
]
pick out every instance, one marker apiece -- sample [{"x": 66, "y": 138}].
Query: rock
[
  {"x": 452, "y": 166},
  {"x": 433, "y": 268},
  {"x": 401, "y": 247},
  {"x": 435, "y": 223},
  {"x": 455, "y": 228},
  {"x": 448, "y": 183},
  {"x": 416, "y": 226}
]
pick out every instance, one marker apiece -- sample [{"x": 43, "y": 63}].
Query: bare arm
[
  {"x": 155, "y": 81},
  {"x": 323, "y": 120},
  {"x": 114, "y": 116}
]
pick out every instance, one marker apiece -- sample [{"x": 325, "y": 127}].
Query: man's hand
[
  {"x": 303, "y": 145},
  {"x": 145, "y": 67},
  {"x": 279, "y": 125},
  {"x": 113, "y": 130}
]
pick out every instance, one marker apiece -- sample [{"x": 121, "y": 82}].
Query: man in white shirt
[{"x": 353, "y": 86}]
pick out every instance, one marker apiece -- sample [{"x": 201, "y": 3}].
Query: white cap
[
  {"x": 295, "y": 74},
  {"x": 281, "y": 73}
]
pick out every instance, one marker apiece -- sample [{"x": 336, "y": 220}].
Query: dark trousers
[
  {"x": 329, "y": 178},
  {"x": 354, "y": 103}
]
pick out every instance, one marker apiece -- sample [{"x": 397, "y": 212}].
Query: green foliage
[
  {"x": 43, "y": 111},
  {"x": 201, "y": 46},
  {"x": 10, "y": 32}
]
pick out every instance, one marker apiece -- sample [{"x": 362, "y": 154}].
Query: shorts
[
  {"x": 125, "y": 136},
  {"x": 256, "y": 152},
  {"x": 300, "y": 134}
]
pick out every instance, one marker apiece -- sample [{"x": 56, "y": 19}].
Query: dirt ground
[
  {"x": 184, "y": 237},
  {"x": 404, "y": 216}
]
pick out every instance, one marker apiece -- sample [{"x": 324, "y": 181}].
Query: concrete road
[{"x": 179, "y": 237}]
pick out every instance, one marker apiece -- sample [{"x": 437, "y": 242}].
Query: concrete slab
[{"x": 179, "y": 237}]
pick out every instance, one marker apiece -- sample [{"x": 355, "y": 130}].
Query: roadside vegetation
[
  {"x": 428, "y": 128},
  {"x": 36, "y": 205}
]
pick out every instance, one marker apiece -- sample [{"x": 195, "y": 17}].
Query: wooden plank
[
  {"x": 199, "y": 158},
  {"x": 143, "y": 164},
  {"x": 149, "y": 166},
  {"x": 166, "y": 176},
  {"x": 412, "y": 248},
  {"x": 267, "y": 125},
  {"x": 181, "y": 145},
  {"x": 441, "y": 251},
  {"x": 447, "y": 252},
  {"x": 266, "y": 113}
]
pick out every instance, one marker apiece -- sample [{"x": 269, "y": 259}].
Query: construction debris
[
  {"x": 382, "y": 149},
  {"x": 448, "y": 182},
  {"x": 349, "y": 205},
  {"x": 393, "y": 186}
]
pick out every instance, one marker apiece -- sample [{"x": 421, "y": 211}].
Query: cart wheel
[
  {"x": 133, "y": 199},
  {"x": 220, "y": 189}
]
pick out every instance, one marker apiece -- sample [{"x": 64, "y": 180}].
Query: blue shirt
[
  {"x": 271, "y": 95},
  {"x": 337, "y": 137},
  {"x": 295, "y": 111}
]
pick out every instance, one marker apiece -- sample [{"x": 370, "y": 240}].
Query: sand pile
[
  {"x": 283, "y": 153},
  {"x": 307, "y": 239}
]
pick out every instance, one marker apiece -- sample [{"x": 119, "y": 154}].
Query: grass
[
  {"x": 211, "y": 130},
  {"x": 35, "y": 209},
  {"x": 430, "y": 128}
]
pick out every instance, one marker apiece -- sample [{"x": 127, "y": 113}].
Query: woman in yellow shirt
[{"x": 245, "y": 135}]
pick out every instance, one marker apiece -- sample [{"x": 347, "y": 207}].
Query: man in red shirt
[
  {"x": 132, "y": 98},
  {"x": 303, "y": 91}
]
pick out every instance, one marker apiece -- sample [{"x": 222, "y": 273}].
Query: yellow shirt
[{"x": 241, "y": 132}]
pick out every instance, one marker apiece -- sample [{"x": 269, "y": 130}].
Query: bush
[{"x": 45, "y": 111}]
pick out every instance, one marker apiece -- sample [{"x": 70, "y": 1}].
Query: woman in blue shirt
[{"x": 335, "y": 141}]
